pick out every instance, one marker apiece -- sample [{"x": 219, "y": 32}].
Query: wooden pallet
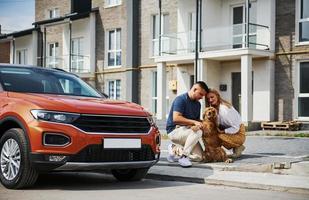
[{"x": 287, "y": 125}]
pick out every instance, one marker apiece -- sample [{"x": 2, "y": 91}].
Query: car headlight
[
  {"x": 52, "y": 116},
  {"x": 151, "y": 120}
]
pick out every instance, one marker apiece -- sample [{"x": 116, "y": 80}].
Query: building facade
[
  {"x": 292, "y": 60},
  {"x": 242, "y": 69},
  {"x": 255, "y": 52}
]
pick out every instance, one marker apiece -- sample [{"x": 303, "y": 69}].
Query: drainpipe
[
  {"x": 196, "y": 41},
  {"x": 45, "y": 48},
  {"x": 200, "y": 25},
  {"x": 70, "y": 46},
  {"x": 160, "y": 20},
  {"x": 41, "y": 47},
  {"x": 247, "y": 22},
  {"x": 14, "y": 54}
]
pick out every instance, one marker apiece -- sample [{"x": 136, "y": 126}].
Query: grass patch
[{"x": 282, "y": 134}]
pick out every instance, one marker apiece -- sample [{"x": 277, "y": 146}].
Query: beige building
[
  {"x": 254, "y": 51},
  {"x": 89, "y": 38}
]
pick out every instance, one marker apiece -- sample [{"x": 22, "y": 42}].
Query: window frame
[
  {"x": 298, "y": 20},
  {"x": 154, "y": 24},
  {"x": 297, "y": 91},
  {"x": 114, "y": 81},
  {"x": 107, "y": 3},
  {"x": 55, "y": 51},
  {"x": 114, "y": 50},
  {"x": 25, "y": 56},
  {"x": 53, "y": 13},
  {"x": 79, "y": 54}
]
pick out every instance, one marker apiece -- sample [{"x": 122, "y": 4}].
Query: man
[{"x": 185, "y": 112}]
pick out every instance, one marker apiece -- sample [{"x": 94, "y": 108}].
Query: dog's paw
[{"x": 229, "y": 160}]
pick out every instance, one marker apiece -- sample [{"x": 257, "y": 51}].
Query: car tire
[
  {"x": 14, "y": 154},
  {"x": 130, "y": 174}
]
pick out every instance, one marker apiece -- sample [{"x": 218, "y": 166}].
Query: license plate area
[{"x": 122, "y": 143}]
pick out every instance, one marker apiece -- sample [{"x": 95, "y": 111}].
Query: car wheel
[
  {"x": 130, "y": 174},
  {"x": 16, "y": 170}
]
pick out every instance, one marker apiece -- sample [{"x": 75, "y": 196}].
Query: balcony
[
  {"x": 79, "y": 63},
  {"x": 215, "y": 39}
]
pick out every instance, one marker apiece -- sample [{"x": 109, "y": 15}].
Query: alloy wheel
[{"x": 10, "y": 159}]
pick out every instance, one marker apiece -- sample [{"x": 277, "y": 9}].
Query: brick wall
[
  {"x": 42, "y": 6},
  {"x": 149, "y": 8},
  {"x": 286, "y": 64},
  {"x": 109, "y": 18},
  {"x": 5, "y": 52}
]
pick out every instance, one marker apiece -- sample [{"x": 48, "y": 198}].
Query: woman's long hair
[{"x": 220, "y": 100}]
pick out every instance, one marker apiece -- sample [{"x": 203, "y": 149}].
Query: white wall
[
  {"x": 183, "y": 78},
  {"x": 263, "y": 84},
  {"x": 25, "y": 42},
  {"x": 184, "y": 8},
  {"x": 217, "y": 21},
  {"x": 81, "y": 28},
  {"x": 212, "y": 73}
]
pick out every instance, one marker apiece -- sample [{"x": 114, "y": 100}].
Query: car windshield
[{"x": 38, "y": 80}]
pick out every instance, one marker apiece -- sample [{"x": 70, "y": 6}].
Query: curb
[
  {"x": 175, "y": 178},
  {"x": 252, "y": 167},
  {"x": 250, "y": 176},
  {"x": 265, "y": 181}
]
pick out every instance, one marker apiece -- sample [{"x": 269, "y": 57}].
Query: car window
[{"x": 35, "y": 80}]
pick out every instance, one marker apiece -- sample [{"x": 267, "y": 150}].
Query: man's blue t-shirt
[{"x": 190, "y": 109}]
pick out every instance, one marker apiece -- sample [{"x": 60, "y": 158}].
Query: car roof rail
[
  {"x": 59, "y": 69},
  {"x": 62, "y": 70}
]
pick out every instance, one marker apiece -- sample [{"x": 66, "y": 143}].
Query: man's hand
[{"x": 198, "y": 124}]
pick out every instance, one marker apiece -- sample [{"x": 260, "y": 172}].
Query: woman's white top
[{"x": 229, "y": 118}]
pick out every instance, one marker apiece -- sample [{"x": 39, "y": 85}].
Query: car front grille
[
  {"x": 112, "y": 124},
  {"x": 96, "y": 153}
]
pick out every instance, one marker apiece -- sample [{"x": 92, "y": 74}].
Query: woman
[{"x": 232, "y": 131}]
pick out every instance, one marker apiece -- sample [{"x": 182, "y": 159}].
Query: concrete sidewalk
[
  {"x": 295, "y": 178},
  {"x": 279, "y": 168}
]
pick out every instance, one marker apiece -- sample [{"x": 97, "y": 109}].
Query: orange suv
[{"x": 51, "y": 120}]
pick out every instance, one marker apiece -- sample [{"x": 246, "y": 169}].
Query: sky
[{"x": 16, "y": 15}]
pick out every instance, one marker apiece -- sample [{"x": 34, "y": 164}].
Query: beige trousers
[
  {"x": 186, "y": 141},
  {"x": 230, "y": 141}
]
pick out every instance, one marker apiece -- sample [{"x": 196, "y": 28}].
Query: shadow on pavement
[{"x": 93, "y": 181}]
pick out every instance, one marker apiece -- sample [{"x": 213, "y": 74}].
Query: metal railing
[
  {"x": 79, "y": 63},
  {"x": 214, "y": 38}
]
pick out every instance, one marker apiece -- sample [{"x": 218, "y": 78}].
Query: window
[
  {"x": 156, "y": 34},
  {"x": 77, "y": 56},
  {"x": 154, "y": 95},
  {"x": 21, "y": 56},
  {"x": 53, "y": 13},
  {"x": 303, "y": 21},
  {"x": 192, "y": 26},
  {"x": 112, "y": 3},
  {"x": 53, "y": 52},
  {"x": 239, "y": 26},
  {"x": 303, "y": 90},
  {"x": 114, "y": 47},
  {"x": 154, "y": 98},
  {"x": 114, "y": 89}
]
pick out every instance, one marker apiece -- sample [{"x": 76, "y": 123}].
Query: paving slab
[{"x": 267, "y": 181}]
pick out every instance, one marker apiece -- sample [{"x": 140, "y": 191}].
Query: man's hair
[{"x": 203, "y": 85}]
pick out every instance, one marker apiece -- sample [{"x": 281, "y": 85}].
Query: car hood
[{"x": 85, "y": 105}]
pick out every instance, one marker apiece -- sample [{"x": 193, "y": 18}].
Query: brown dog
[{"x": 213, "y": 151}]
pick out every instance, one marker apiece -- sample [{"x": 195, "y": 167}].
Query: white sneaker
[
  {"x": 171, "y": 156},
  {"x": 184, "y": 162}
]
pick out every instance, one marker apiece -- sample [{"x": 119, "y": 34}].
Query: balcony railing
[
  {"x": 79, "y": 63},
  {"x": 213, "y": 39}
]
